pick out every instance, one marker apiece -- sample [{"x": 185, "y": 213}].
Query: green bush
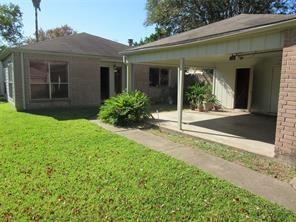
[{"x": 126, "y": 109}]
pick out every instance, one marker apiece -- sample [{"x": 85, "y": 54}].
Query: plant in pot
[
  {"x": 209, "y": 102},
  {"x": 196, "y": 96}
]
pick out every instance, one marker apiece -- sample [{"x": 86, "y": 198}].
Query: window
[
  {"x": 158, "y": 77},
  {"x": 10, "y": 81},
  {"x": 49, "y": 80}
]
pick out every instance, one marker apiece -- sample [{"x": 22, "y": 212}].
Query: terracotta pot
[
  {"x": 208, "y": 106},
  {"x": 201, "y": 108}
]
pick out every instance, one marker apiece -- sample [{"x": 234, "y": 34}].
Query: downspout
[{"x": 23, "y": 81}]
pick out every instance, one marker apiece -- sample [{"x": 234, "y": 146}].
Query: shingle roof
[
  {"x": 222, "y": 28},
  {"x": 81, "y": 43}
]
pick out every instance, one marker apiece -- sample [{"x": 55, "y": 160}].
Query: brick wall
[{"x": 285, "y": 145}]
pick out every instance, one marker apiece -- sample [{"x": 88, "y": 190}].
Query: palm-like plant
[{"x": 36, "y": 4}]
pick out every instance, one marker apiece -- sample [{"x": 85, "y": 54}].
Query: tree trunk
[{"x": 36, "y": 25}]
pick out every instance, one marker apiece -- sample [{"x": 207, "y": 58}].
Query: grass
[
  {"x": 255, "y": 162},
  {"x": 57, "y": 166}
]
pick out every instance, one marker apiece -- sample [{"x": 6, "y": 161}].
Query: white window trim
[
  {"x": 8, "y": 81},
  {"x": 49, "y": 82}
]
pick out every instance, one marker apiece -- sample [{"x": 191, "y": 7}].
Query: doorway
[
  {"x": 104, "y": 83},
  {"x": 242, "y": 88}
]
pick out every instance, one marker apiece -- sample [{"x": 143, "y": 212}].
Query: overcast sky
[{"x": 117, "y": 20}]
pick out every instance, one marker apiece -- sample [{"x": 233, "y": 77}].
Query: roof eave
[
  {"x": 269, "y": 27},
  {"x": 100, "y": 57}
]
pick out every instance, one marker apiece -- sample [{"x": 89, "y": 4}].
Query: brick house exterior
[{"x": 285, "y": 145}]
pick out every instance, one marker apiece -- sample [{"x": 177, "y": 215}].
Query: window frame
[
  {"x": 49, "y": 81},
  {"x": 9, "y": 81},
  {"x": 159, "y": 85}
]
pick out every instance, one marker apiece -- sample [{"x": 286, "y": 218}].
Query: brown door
[
  {"x": 104, "y": 83},
  {"x": 242, "y": 88}
]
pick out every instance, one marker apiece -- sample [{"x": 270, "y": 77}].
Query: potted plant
[
  {"x": 209, "y": 102},
  {"x": 217, "y": 105},
  {"x": 196, "y": 96}
]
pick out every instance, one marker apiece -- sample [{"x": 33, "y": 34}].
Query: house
[
  {"x": 76, "y": 70},
  {"x": 254, "y": 63}
]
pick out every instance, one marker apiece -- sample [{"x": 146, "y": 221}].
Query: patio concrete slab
[
  {"x": 252, "y": 133},
  {"x": 257, "y": 183}
]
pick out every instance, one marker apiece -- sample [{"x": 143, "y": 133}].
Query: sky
[{"x": 118, "y": 20}]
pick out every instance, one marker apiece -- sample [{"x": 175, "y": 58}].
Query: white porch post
[
  {"x": 129, "y": 77},
  {"x": 111, "y": 82},
  {"x": 180, "y": 92}
]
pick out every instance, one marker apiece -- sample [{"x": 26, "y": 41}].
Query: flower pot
[
  {"x": 217, "y": 107},
  {"x": 201, "y": 108},
  {"x": 208, "y": 106}
]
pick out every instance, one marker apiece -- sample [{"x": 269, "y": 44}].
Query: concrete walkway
[{"x": 257, "y": 183}]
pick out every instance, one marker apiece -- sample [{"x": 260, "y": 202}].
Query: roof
[
  {"x": 236, "y": 24},
  {"x": 81, "y": 43}
]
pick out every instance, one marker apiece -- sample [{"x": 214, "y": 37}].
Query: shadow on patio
[
  {"x": 249, "y": 126},
  {"x": 249, "y": 132}
]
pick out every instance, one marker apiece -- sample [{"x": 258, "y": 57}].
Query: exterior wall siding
[
  {"x": 262, "y": 89},
  {"x": 285, "y": 146},
  {"x": 265, "y": 41},
  {"x": 266, "y": 84}
]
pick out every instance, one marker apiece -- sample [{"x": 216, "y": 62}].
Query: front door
[
  {"x": 242, "y": 88},
  {"x": 104, "y": 83}
]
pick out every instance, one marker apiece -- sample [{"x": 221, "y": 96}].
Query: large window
[
  {"x": 158, "y": 77},
  {"x": 49, "y": 80}
]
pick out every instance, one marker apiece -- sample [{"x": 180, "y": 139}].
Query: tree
[
  {"x": 158, "y": 34},
  {"x": 10, "y": 24},
  {"x": 36, "y": 4},
  {"x": 64, "y": 30},
  {"x": 177, "y": 16}
]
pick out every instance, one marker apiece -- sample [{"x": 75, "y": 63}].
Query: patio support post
[
  {"x": 180, "y": 92},
  {"x": 129, "y": 77},
  {"x": 111, "y": 82}
]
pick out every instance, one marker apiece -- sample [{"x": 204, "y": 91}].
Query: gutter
[
  {"x": 226, "y": 35},
  {"x": 7, "y": 51}
]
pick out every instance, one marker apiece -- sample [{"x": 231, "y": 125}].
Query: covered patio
[
  {"x": 247, "y": 53},
  {"x": 241, "y": 130}
]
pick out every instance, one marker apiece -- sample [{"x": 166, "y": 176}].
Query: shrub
[{"x": 126, "y": 109}]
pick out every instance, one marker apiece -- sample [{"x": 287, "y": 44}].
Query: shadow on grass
[
  {"x": 2, "y": 100},
  {"x": 63, "y": 114}
]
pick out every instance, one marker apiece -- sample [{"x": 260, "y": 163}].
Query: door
[
  {"x": 242, "y": 88},
  {"x": 104, "y": 83},
  {"x": 275, "y": 88}
]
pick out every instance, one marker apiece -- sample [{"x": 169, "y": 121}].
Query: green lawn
[
  {"x": 265, "y": 165},
  {"x": 56, "y": 166}
]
